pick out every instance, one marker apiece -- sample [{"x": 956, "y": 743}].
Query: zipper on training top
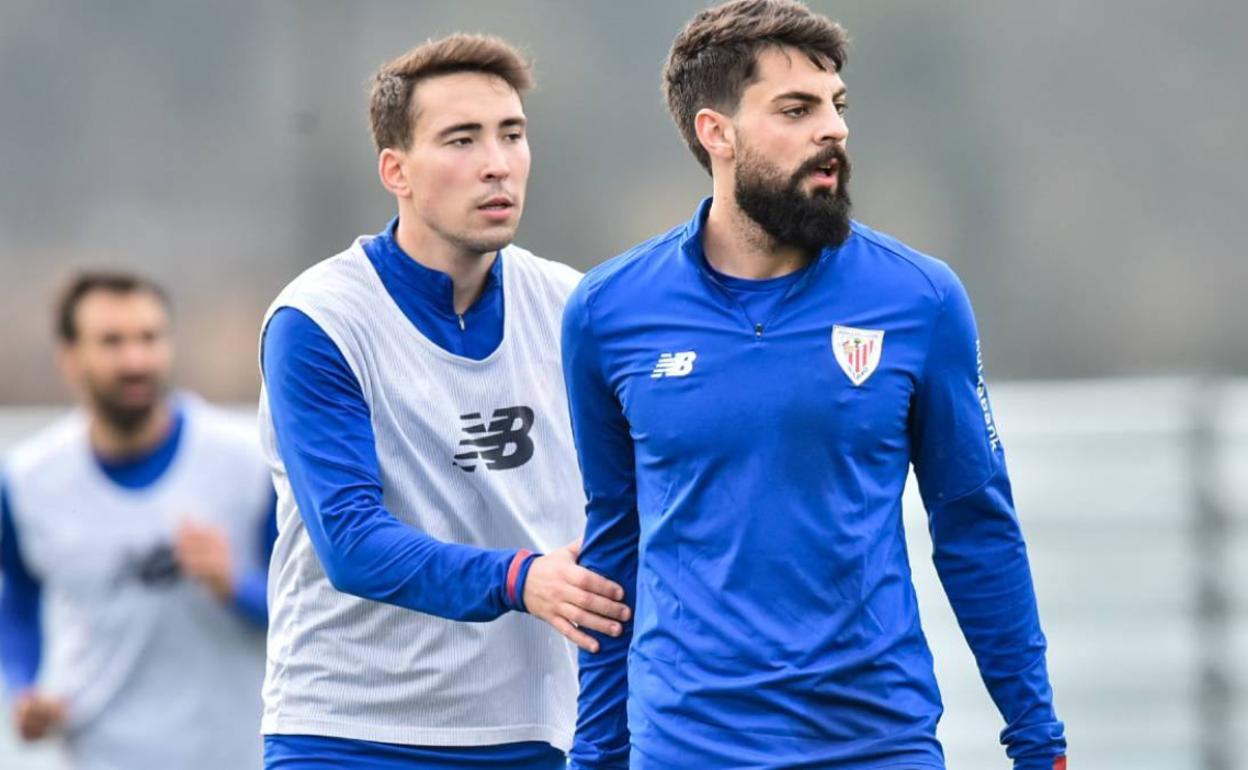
[{"x": 798, "y": 287}]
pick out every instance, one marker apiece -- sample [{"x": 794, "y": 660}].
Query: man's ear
[
  {"x": 67, "y": 363},
  {"x": 716, "y": 133},
  {"x": 392, "y": 174}
]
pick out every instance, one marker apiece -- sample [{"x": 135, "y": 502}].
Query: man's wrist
[
  {"x": 517, "y": 576},
  {"x": 223, "y": 586},
  {"x": 1058, "y": 763}
]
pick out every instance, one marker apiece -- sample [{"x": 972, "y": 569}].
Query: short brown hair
[
  {"x": 390, "y": 100},
  {"x": 715, "y": 56},
  {"x": 84, "y": 283}
]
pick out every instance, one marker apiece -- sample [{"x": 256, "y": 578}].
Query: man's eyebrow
[
  {"x": 799, "y": 96},
  {"x": 807, "y": 97},
  {"x": 515, "y": 122},
  {"x": 455, "y": 129}
]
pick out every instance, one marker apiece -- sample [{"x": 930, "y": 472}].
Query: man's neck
[
  {"x": 467, "y": 270},
  {"x": 112, "y": 444},
  {"x": 735, "y": 245}
]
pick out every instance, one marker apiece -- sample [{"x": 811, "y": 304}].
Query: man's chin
[
  {"x": 486, "y": 242},
  {"x": 127, "y": 418},
  {"x": 829, "y": 199}
]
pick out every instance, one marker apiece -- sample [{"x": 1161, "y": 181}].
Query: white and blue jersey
[
  {"x": 744, "y": 447},
  {"x": 154, "y": 670}
]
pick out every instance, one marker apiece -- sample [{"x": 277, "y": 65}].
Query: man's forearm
[
  {"x": 379, "y": 558},
  {"x": 982, "y": 562},
  {"x": 21, "y": 630}
]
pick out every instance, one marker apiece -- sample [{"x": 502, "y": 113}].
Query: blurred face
[
  {"x": 790, "y": 167},
  {"x": 121, "y": 359},
  {"x": 468, "y": 164}
]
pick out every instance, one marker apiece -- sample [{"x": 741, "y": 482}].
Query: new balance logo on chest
[
  {"x": 674, "y": 364},
  {"x": 501, "y": 444}
]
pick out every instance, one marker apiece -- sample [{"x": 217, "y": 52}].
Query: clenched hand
[
  {"x": 35, "y": 715},
  {"x": 203, "y": 553}
]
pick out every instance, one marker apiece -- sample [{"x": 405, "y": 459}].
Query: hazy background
[{"x": 1081, "y": 165}]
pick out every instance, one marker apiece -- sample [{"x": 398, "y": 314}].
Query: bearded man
[
  {"x": 748, "y": 392},
  {"x": 134, "y": 540}
]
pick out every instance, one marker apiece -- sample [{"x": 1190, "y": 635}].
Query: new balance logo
[
  {"x": 501, "y": 444},
  {"x": 156, "y": 567},
  {"x": 674, "y": 364}
]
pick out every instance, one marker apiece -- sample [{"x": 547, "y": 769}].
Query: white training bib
[
  {"x": 156, "y": 671},
  {"x": 472, "y": 452}
]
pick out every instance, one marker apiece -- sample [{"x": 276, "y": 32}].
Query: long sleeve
[
  {"x": 605, "y": 451},
  {"x": 251, "y": 584},
  {"x": 21, "y": 631},
  {"x": 326, "y": 441},
  {"x": 979, "y": 550}
]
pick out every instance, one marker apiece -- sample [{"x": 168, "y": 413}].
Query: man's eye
[
  {"x": 462, "y": 141},
  {"x": 841, "y": 107},
  {"x": 796, "y": 112},
  {"x": 515, "y": 137}
]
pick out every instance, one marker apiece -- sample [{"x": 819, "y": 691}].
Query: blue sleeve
[
  {"x": 325, "y": 439},
  {"x": 21, "y": 631},
  {"x": 605, "y": 450},
  {"x": 978, "y": 545},
  {"x": 251, "y": 587}
]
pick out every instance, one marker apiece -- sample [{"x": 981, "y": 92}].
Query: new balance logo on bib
[{"x": 502, "y": 444}]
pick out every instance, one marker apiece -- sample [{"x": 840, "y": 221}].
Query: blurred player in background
[
  {"x": 139, "y": 527},
  {"x": 747, "y": 394},
  {"x": 416, "y": 422}
]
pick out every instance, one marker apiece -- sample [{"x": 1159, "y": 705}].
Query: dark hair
[
  {"x": 86, "y": 282},
  {"x": 715, "y": 56},
  {"x": 390, "y": 100}
]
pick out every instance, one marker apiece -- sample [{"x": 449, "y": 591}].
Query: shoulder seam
[
  {"x": 631, "y": 255},
  {"x": 941, "y": 297},
  {"x": 31, "y": 451},
  {"x": 876, "y": 241},
  {"x": 333, "y": 339},
  {"x": 931, "y": 341},
  {"x": 552, "y": 274},
  {"x": 590, "y": 294}
]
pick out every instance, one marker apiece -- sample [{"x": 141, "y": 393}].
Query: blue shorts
[{"x": 318, "y": 752}]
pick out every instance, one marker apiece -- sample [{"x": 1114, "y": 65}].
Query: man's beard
[
  {"x": 126, "y": 418},
  {"x": 791, "y": 216}
]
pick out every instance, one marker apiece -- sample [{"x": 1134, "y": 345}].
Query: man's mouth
[
  {"x": 826, "y": 173},
  {"x": 136, "y": 385},
  {"x": 498, "y": 208},
  {"x": 498, "y": 203}
]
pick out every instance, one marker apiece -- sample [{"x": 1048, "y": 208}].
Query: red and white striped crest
[{"x": 857, "y": 351}]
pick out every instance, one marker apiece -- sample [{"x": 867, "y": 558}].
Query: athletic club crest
[{"x": 857, "y": 351}]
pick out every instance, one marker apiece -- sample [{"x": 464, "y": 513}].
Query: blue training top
[{"x": 744, "y": 464}]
